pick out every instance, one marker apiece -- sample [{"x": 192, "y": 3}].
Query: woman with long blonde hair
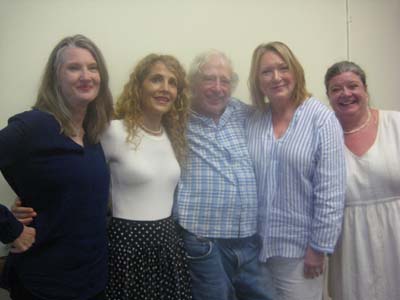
[
  {"x": 297, "y": 145},
  {"x": 52, "y": 158}
]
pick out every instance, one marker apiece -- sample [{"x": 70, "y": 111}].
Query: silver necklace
[{"x": 359, "y": 127}]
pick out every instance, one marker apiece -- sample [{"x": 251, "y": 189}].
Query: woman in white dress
[{"x": 366, "y": 262}]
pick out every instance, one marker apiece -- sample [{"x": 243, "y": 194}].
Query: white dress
[{"x": 366, "y": 262}]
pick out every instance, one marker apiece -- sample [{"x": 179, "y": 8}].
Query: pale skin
[
  {"x": 212, "y": 89},
  {"x": 348, "y": 97},
  {"x": 25, "y": 215},
  {"x": 159, "y": 90},
  {"x": 24, "y": 241},
  {"x": 277, "y": 82},
  {"x": 79, "y": 79}
]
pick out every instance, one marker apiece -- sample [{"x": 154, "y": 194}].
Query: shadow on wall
[{"x": 3, "y": 293}]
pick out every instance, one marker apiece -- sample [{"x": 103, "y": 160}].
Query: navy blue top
[
  {"x": 10, "y": 228},
  {"x": 67, "y": 185}
]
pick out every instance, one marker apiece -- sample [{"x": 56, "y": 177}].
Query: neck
[
  {"x": 77, "y": 121},
  {"x": 352, "y": 124},
  {"x": 282, "y": 110},
  {"x": 78, "y": 114},
  {"x": 215, "y": 117},
  {"x": 152, "y": 124}
]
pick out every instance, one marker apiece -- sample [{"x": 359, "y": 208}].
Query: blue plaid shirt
[{"x": 217, "y": 195}]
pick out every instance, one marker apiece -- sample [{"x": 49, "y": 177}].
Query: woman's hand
[
  {"x": 313, "y": 263},
  {"x": 24, "y": 241},
  {"x": 24, "y": 214}
]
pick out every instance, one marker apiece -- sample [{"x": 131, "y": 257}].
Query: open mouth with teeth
[
  {"x": 85, "y": 88},
  {"x": 162, "y": 100},
  {"x": 347, "y": 102}
]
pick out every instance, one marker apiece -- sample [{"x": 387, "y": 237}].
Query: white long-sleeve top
[{"x": 143, "y": 177}]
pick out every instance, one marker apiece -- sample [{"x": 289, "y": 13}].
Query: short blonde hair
[
  {"x": 300, "y": 92},
  {"x": 51, "y": 100}
]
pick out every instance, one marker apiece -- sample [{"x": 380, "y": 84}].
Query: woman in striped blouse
[{"x": 297, "y": 146}]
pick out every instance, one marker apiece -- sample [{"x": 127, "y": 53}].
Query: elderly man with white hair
[{"x": 216, "y": 201}]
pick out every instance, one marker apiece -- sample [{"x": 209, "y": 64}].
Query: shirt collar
[{"x": 230, "y": 108}]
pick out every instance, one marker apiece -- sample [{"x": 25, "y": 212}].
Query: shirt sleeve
[
  {"x": 329, "y": 184},
  {"x": 13, "y": 146},
  {"x": 13, "y": 142},
  {"x": 10, "y": 227}
]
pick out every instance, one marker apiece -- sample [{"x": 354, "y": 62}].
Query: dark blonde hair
[
  {"x": 300, "y": 92},
  {"x": 51, "y": 100},
  {"x": 129, "y": 105}
]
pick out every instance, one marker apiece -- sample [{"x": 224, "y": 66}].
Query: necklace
[
  {"x": 79, "y": 131},
  {"x": 361, "y": 126},
  {"x": 150, "y": 131}
]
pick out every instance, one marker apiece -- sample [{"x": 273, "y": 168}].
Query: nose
[
  {"x": 217, "y": 87},
  {"x": 276, "y": 75},
  {"x": 165, "y": 85},
  {"x": 85, "y": 74},
  {"x": 346, "y": 91}
]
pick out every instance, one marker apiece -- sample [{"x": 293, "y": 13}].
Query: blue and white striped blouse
[{"x": 300, "y": 179}]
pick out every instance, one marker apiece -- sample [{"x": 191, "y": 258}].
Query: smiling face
[
  {"x": 347, "y": 95},
  {"x": 276, "y": 80},
  {"x": 159, "y": 91},
  {"x": 213, "y": 87},
  {"x": 78, "y": 76}
]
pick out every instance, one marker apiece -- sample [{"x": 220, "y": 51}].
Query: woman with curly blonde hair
[
  {"x": 129, "y": 105},
  {"x": 145, "y": 147}
]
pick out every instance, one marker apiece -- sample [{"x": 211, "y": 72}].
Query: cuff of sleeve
[
  {"x": 11, "y": 230},
  {"x": 325, "y": 250}
]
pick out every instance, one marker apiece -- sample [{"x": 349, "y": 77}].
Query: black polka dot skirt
[{"x": 147, "y": 261}]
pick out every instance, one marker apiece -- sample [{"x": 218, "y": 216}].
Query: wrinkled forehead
[{"x": 216, "y": 66}]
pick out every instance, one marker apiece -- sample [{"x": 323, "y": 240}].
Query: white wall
[
  {"x": 125, "y": 31},
  {"x": 375, "y": 45}
]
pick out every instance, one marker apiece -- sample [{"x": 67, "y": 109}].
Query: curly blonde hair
[{"x": 129, "y": 104}]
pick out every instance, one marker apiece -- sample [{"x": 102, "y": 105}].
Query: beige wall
[
  {"x": 316, "y": 30},
  {"x": 375, "y": 45}
]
